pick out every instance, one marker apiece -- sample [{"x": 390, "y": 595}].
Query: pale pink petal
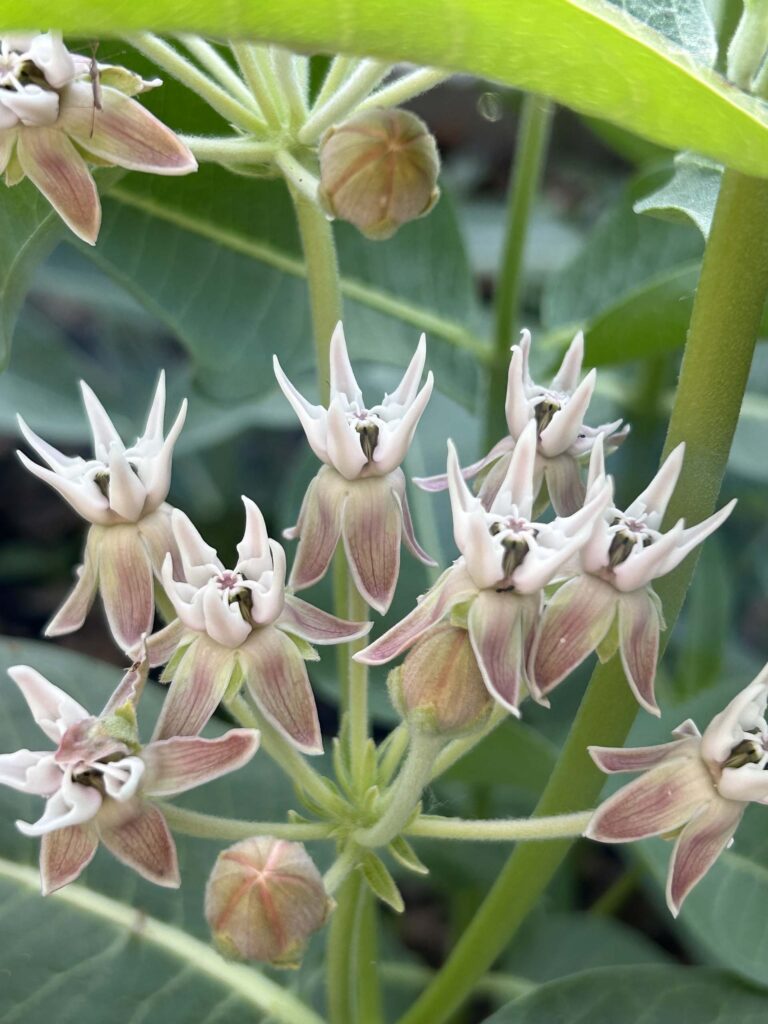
[
  {"x": 181, "y": 763},
  {"x": 161, "y": 646},
  {"x": 453, "y": 587},
  {"x": 126, "y": 491},
  {"x": 55, "y": 459},
  {"x": 158, "y": 480},
  {"x": 126, "y": 583},
  {"x": 747, "y": 783},
  {"x": 740, "y": 714},
  {"x": 564, "y": 427},
  {"x": 53, "y": 165},
  {"x": 518, "y": 485},
  {"x": 71, "y": 804},
  {"x": 123, "y": 132},
  {"x": 655, "y": 497},
  {"x": 342, "y": 375},
  {"x": 316, "y": 626},
  {"x": 688, "y": 728},
  {"x": 318, "y": 528},
  {"x": 312, "y": 417},
  {"x": 131, "y": 686},
  {"x": 7, "y": 138},
  {"x": 644, "y": 564},
  {"x": 254, "y": 547},
  {"x": 277, "y": 680},
  {"x": 30, "y": 771},
  {"x": 639, "y": 628},
  {"x": 517, "y": 408},
  {"x": 157, "y": 533},
  {"x": 394, "y": 442},
  {"x": 143, "y": 841},
  {"x": 64, "y": 855},
  {"x": 698, "y": 846},
  {"x": 52, "y": 709},
  {"x": 406, "y": 391},
  {"x": 567, "y": 376},
  {"x": 693, "y": 536},
  {"x": 345, "y": 452},
  {"x": 199, "y": 684},
  {"x": 84, "y": 497},
  {"x": 639, "y": 759},
  {"x": 153, "y": 430},
  {"x": 371, "y": 532},
  {"x": 564, "y": 484},
  {"x": 493, "y": 479},
  {"x": 575, "y": 620},
  {"x": 224, "y": 622},
  {"x": 433, "y": 484},
  {"x": 660, "y": 801},
  {"x": 397, "y": 477},
  {"x": 496, "y": 634},
  {"x": 72, "y": 614},
  {"x": 198, "y": 559},
  {"x": 102, "y": 428}
]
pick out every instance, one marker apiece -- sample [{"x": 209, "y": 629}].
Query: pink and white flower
[
  {"x": 359, "y": 494},
  {"x": 563, "y": 439},
  {"x": 506, "y": 561},
  {"x": 239, "y": 626},
  {"x": 100, "y": 784},
  {"x": 121, "y": 491},
  {"x": 612, "y": 603},
  {"x": 695, "y": 789},
  {"x": 55, "y": 120}
]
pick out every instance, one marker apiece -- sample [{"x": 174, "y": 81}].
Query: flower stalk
[{"x": 211, "y": 826}]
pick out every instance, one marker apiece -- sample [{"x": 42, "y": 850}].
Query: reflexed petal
[
  {"x": 433, "y": 484},
  {"x": 406, "y": 391},
  {"x": 162, "y": 645},
  {"x": 126, "y": 583},
  {"x": 496, "y": 633},
  {"x": 564, "y": 484},
  {"x": 312, "y": 417},
  {"x": 517, "y": 408},
  {"x": 660, "y": 801},
  {"x": 575, "y": 620},
  {"x": 143, "y": 841},
  {"x": 73, "y": 612},
  {"x": 52, "y": 709},
  {"x": 56, "y": 460},
  {"x": 126, "y": 491},
  {"x": 563, "y": 429},
  {"x": 72, "y": 804},
  {"x": 84, "y": 497},
  {"x": 640, "y": 759},
  {"x": 342, "y": 375},
  {"x": 644, "y": 564},
  {"x": 64, "y": 854},
  {"x": 199, "y": 684},
  {"x": 157, "y": 533},
  {"x": 567, "y": 377},
  {"x": 493, "y": 479},
  {"x": 639, "y": 645},
  {"x": 277, "y": 680},
  {"x": 409, "y": 535},
  {"x": 199, "y": 560},
  {"x": 181, "y": 763},
  {"x": 53, "y": 165},
  {"x": 316, "y": 626},
  {"x": 30, "y": 771},
  {"x": 123, "y": 132},
  {"x": 371, "y": 532},
  {"x": 454, "y": 587},
  {"x": 697, "y": 848},
  {"x": 318, "y": 528},
  {"x": 393, "y": 446},
  {"x": 655, "y": 497},
  {"x": 693, "y": 536}
]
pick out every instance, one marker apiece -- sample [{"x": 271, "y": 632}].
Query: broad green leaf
[
  {"x": 686, "y": 22},
  {"x": 639, "y": 995},
  {"x": 514, "y": 754},
  {"x": 690, "y": 194},
  {"x": 586, "y": 54},
  {"x": 79, "y": 956}
]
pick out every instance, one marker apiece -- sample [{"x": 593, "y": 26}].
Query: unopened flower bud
[
  {"x": 264, "y": 899},
  {"x": 439, "y": 688},
  {"x": 379, "y": 170}
]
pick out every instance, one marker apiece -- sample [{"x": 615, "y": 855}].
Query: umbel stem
[{"x": 724, "y": 328}]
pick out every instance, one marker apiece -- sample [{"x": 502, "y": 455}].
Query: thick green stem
[
  {"x": 210, "y": 826},
  {"x": 724, "y": 327},
  {"x": 501, "y": 830},
  {"x": 323, "y": 279},
  {"x": 357, "y": 611},
  {"x": 352, "y": 982},
  {"x": 532, "y": 142}
]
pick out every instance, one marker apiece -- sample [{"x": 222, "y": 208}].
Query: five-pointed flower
[
  {"x": 506, "y": 562},
  {"x": 121, "y": 491},
  {"x": 612, "y": 604},
  {"x": 239, "y": 626},
  {"x": 55, "y": 119},
  {"x": 696, "y": 788},
  {"x": 563, "y": 438},
  {"x": 359, "y": 494},
  {"x": 99, "y": 783}
]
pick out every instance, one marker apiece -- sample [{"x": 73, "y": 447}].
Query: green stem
[
  {"x": 352, "y": 981},
  {"x": 501, "y": 988},
  {"x": 357, "y": 611},
  {"x": 210, "y": 826},
  {"x": 337, "y": 107},
  {"x": 532, "y": 142},
  {"x": 254, "y": 65},
  {"x": 748, "y": 46},
  {"x": 341, "y": 869},
  {"x": 230, "y": 150},
  {"x": 724, "y": 327},
  {"x": 502, "y": 830},
  {"x": 322, "y": 269},
  {"x": 219, "y": 69},
  {"x": 405, "y": 88}
]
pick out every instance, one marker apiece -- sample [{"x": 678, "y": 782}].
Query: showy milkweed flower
[
  {"x": 239, "y": 626},
  {"x": 612, "y": 603},
  {"x": 121, "y": 491},
  {"x": 695, "y": 789},
  {"x": 100, "y": 784},
  {"x": 59, "y": 112},
  {"x": 563, "y": 439},
  {"x": 506, "y": 561},
  {"x": 359, "y": 494}
]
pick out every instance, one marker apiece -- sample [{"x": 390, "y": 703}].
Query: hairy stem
[
  {"x": 357, "y": 611},
  {"x": 352, "y": 982},
  {"x": 365, "y": 77},
  {"x": 532, "y": 142},
  {"x": 729, "y": 303},
  {"x": 210, "y": 826},
  {"x": 502, "y": 830}
]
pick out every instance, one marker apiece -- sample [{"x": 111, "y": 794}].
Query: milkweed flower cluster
[{"x": 60, "y": 112}]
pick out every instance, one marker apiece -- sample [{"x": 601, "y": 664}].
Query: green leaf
[
  {"x": 406, "y": 856},
  {"x": 686, "y": 22},
  {"x": 639, "y": 995},
  {"x": 382, "y": 884},
  {"x": 586, "y": 54},
  {"x": 514, "y": 754},
  {"x": 691, "y": 193}
]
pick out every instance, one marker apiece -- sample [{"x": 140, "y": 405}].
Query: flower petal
[
  {"x": 433, "y": 484},
  {"x": 162, "y": 645},
  {"x": 223, "y": 621},
  {"x": 102, "y": 428},
  {"x": 574, "y": 622},
  {"x": 496, "y": 624},
  {"x": 199, "y": 684},
  {"x": 277, "y": 680},
  {"x": 316, "y": 626},
  {"x": 660, "y": 801},
  {"x": 157, "y": 534},
  {"x": 126, "y": 491},
  {"x": 64, "y": 854},
  {"x": 71, "y": 615},
  {"x": 398, "y": 489},
  {"x": 698, "y": 846},
  {"x": 53, "y": 165},
  {"x": 371, "y": 532},
  {"x": 158, "y": 480},
  {"x": 126, "y": 582},
  {"x": 567, "y": 377},
  {"x": 517, "y": 408},
  {"x": 517, "y": 487},
  {"x": 52, "y": 709},
  {"x": 122, "y": 132},
  {"x": 143, "y": 841},
  {"x": 72, "y": 804},
  {"x": 345, "y": 453},
  {"x": 312, "y": 417},
  {"x": 199, "y": 560},
  {"x": 655, "y": 498},
  {"x": 639, "y": 759},
  {"x": 406, "y": 391},
  {"x": 639, "y": 628},
  {"x": 394, "y": 445},
  {"x": 343, "y": 379},
  {"x": 181, "y": 763},
  {"x": 318, "y": 528},
  {"x": 747, "y": 783},
  {"x": 564, "y": 484},
  {"x": 453, "y": 587},
  {"x": 30, "y": 771},
  {"x": 84, "y": 497},
  {"x": 564, "y": 427}
]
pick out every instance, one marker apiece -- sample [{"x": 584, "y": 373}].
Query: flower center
[
  {"x": 515, "y": 535},
  {"x": 749, "y": 751},
  {"x": 228, "y": 580},
  {"x": 13, "y": 67},
  {"x": 627, "y": 532},
  {"x": 366, "y": 426},
  {"x": 544, "y": 411}
]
